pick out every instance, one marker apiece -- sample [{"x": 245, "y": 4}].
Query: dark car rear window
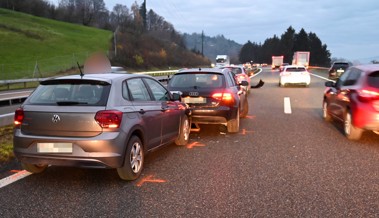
[
  {"x": 373, "y": 79},
  {"x": 71, "y": 92},
  {"x": 340, "y": 65},
  {"x": 200, "y": 80}
]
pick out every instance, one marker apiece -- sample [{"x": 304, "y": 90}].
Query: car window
[
  {"x": 158, "y": 91},
  {"x": 352, "y": 77},
  {"x": 200, "y": 80},
  {"x": 70, "y": 93},
  {"x": 138, "y": 90},
  {"x": 342, "y": 78},
  {"x": 373, "y": 79},
  {"x": 295, "y": 69},
  {"x": 340, "y": 65}
]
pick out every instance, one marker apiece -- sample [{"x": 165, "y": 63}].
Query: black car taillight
[
  {"x": 368, "y": 95},
  {"x": 109, "y": 118},
  {"x": 224, "y": 97},
  {"x": 18, "y": 116}
]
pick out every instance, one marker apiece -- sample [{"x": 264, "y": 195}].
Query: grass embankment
[
  {"x": 6, "y": 143},
  {"x": 56, "y": 46}
]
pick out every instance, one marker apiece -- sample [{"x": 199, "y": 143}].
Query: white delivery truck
[
  {"x": 301, "y": 58},
  {"x": 276, "y": 61},
  {"x": 222, "y": 60}
]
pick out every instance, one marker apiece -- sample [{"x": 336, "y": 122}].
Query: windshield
[
  {"x": 70, "y": 93},
  {"x": 200, "y": 80}
]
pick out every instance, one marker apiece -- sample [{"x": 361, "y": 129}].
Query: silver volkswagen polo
[{"x": 106, "y": 120}]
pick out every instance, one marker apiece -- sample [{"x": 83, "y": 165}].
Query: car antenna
[{"x": 80, "y": 69}]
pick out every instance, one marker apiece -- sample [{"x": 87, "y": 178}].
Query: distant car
[
  {"x": 354, "y": 100},
  {"x": 213, "y": 96},
  {"x": 337, "y": 69},
  {"x": 264, "y": 64},
  {"x": 98, "y": 120},
  {"x": 240, "y": 74},
  {"x": 293, "y": 74},
  {"x": 282, "y": 66}
]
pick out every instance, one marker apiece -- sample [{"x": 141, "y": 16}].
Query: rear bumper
[
  {"x": 219, "y": 115},
  {"x": 295, "y": 80},
  {"x": 103, "y": 151},
  {"x": 365, "y": 117}
]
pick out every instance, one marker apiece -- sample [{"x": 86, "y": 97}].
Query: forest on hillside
[
  {"x": 142, "y": 39},
  {"x": 286, "y": 45}
]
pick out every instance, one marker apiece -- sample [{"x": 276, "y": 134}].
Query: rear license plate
[
  {"x": 198, "y": 100},
  {"x": 54, "y": 147}
]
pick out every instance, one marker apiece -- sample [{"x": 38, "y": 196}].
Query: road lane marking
[
  {"x": 13, "y": 178},
  {"x": 287, "y": 105},
  {"x": 321, "y": 77}
]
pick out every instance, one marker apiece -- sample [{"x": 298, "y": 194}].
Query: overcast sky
[{"x": 349, "y": 28}]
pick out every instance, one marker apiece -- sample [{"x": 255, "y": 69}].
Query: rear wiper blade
[{"x": 63, "y": 103}]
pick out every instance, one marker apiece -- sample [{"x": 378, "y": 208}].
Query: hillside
[
  {"x": 26, "y": 40},
  {"x": 213, "y": 46}
]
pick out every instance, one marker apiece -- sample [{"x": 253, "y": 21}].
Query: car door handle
[{"x": 142, "y": 111}]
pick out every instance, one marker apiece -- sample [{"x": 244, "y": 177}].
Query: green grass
[
  {"x": 56, "y": 46},
  {"x": 6, "y": 143}
]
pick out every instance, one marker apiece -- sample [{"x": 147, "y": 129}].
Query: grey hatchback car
[{"x": 98, "y": 120}]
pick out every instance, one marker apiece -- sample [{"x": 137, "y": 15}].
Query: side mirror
[
  {"x": 260, "y": 84},
  {"x": 330, "y": 84},
  {"x": 176, "y": 95}
]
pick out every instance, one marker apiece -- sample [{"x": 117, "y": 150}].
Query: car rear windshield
[
  {"x": 341, "y": 65},
  {"x": 71, "y": 92},
  {"x": 200, "y": 80},
  {"x": 373, "y": 79},
  {"x": 235, "y": 70},
  {"x": 295, "y": 69}
]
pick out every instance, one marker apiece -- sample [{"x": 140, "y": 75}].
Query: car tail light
[
  {"x": 223, "y": 96},
  {"x": 18, "y": 116},
  {"x": 109, "y": 118},
  {"x": 365, "y": 95}
]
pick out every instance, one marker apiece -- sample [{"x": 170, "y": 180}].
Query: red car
[{"x": 354, "y": 100}]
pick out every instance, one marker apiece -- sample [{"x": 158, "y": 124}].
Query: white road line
[
  {"x": 287, "y": 105},
  {"x": 321, "y": 77},
  {"x": 13, "y": 178}
]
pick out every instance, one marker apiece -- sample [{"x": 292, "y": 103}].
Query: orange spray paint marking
[
  {"x": 149, "y": 178},
  {"x": 15, "y": 171},
  {"x": 195, "y": 144},
  {"x": 244, "y": 132}
]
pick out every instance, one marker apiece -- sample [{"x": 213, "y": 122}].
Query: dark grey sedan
[{"x": 98, "y": 120}]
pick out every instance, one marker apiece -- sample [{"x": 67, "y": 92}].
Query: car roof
[
  {"x": 107, "y": 77},
  {"x": 203, "y": 70},
  {"x": 368, "y": 67},
  {"x": 293, "y": 66}
]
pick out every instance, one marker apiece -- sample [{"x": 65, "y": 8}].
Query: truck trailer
[
  {"x": 276, "y": 61},
  {"x": 301, "y": 58}
]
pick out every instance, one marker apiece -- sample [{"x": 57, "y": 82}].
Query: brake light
[
  {"x": 109, "y": 118},
  {"x": 223, "y": 96},
  {"x": 18, "y": 116},
  {"x": 368, "y": 94}
]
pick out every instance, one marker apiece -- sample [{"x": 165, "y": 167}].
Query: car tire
[
  {"x": 245, "y": 110},
  {"x": 233, "y": 125},
  {"x": 325, "y": 112},
  {"x": 351, "y": 132},
  {"x": 134, "y": 160},
  {"x": 33, "y": 168},
  {"x": 184, "y": 131}
]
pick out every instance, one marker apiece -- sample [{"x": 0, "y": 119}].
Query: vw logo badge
[
  {"x": 193, "y": 94},
  {"x": 55, "y": 118}
]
